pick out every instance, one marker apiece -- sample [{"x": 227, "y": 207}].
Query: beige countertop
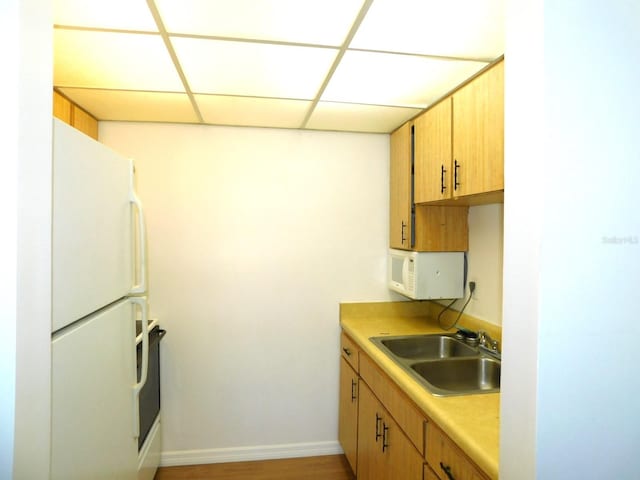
[{"x": 471, "y": 421}]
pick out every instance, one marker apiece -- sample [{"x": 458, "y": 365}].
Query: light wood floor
[{"x": 328, "y": 467}]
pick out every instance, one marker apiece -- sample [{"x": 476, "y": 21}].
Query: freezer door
[
  {"x": 92, "y": 226},
  {"x": 93, "y": 373}
]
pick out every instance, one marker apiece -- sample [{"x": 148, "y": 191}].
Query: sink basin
[
  {"x": 427, "y": 346},
  {"x": 464, "y": 375},
  {"x": 444, "y": 365}
]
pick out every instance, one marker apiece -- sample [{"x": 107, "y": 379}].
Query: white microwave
[{"x": 426, "y": 275}]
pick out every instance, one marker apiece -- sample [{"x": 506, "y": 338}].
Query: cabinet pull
[
  {"x": 347, "y": 351},
  {"x": 456, "y": 183},
  {"x": 403, "y": 239},
  {"x": 378, "y": 434},
  {"x": 442, "y": 185},
  {"x": 353, "y": 390},
  {"x": 447, "y": 470},
  {"x": 385, "y": 431}
]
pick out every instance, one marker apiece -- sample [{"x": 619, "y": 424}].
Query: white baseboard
[{"x": 244, "y": 454}]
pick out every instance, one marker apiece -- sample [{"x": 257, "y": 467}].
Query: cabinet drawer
[
  {"x": 446, "y": 459},
  {"x": 405, "y": 413},
  {"x": 349, "y": 351}
]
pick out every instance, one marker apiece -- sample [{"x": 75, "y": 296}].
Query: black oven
[{"x": 149, "y": 400}]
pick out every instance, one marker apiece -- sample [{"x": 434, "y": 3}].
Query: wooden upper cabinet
[
  {"x": 441, "y": 228},
  {"x": 61, "y": 108},
  {"x": 423, "y": 228},
  {"x": 75, "y": 116},
  {"x": 84, "y": 122},
  {"x": 478, "y": 134},
  {"x": 432, "y": 132},
  {"x": 400, "y": 188},
  {"x": 459, "y": 144}
]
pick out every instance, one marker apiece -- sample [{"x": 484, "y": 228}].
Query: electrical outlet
[{"x": 473, "y": 288}]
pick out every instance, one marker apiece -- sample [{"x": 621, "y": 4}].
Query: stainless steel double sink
[{"x": 443, "y": 364}]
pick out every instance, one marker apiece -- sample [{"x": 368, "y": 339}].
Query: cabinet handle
[
  {"x": 385, "y": 431},
  {"x": 403, "y": 239},
  {"x": 378, "y": 418},
  {"x": 447, "y": 470},
  {"x": 442, "y": 185},
  {"x": 353, "y": 390},
  {"x": 456, "y": 184},
  {"x": 347, "y": 351}
]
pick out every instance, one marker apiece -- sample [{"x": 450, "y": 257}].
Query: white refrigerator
[{"x": 99, "y": 291}]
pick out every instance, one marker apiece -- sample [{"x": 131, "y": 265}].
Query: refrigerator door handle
[
  {"x": 142, "y": 260},
  {"x": 142, "y": 302}
]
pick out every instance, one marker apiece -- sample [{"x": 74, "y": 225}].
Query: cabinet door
[
  {"x": 371, "y": 462},
  {"x": 441, "y": 228},
  {"x": 384, "y": 452},
  {"x": 348, "y": 412},
  {"x": 478, "y": 134},
  {"x": 428, "y": 474},
  {"x": 402, "y": 459},
  {"x": 400, "y": 189},
  {"x": 446, "y": 459},
  {"x": 432, "y": 137}
]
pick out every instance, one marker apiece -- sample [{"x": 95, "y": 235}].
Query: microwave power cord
[{"x": 472, "y": 288}]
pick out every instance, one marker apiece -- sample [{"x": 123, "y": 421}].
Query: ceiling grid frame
[{"x": 336, "y": 106}]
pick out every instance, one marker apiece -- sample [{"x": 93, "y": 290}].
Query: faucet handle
[{"x": 488, "y": 342}]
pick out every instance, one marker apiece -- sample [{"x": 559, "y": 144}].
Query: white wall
[
  {"x": 255, "y": 236},
  {"x": 572, "y": 243},
  {"x": 485, "y": 262},
  {"x": 25, "y": 285}
]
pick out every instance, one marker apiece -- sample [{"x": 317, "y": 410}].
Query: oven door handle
[{"x": 142, "y": 302}]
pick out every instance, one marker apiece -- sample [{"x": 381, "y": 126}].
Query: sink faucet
[{"x": 488, "y": 343}]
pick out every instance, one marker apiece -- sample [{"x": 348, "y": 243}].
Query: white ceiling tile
[
  {"x": 112, "y": 14},
  {"x": 250, "y": 69},
  {"x": 359, "y": 118},
  {"x": 113, "y": 61},
  {"x": 134, "y": 106},
  {"x": 256, "y": 112},
  {"x": 395, "y": 80},
  {"x": 324, "y": 22},
  {"x": 458, "y": 28}
]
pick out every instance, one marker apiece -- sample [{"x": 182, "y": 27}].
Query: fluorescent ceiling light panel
[
  {"x": 250, "y": 69},
  {"x": 248, "y": 111},
  {"x": 111, "y": 14},
  {"x": 117, "y": 61},
  {"x": 395, "y": 80},
  {"x": 134, "y": 106},
  {"x": 324, "y": 22},
  {"x": 458, "y": 28},
  {"x": 359, "y": 118}
]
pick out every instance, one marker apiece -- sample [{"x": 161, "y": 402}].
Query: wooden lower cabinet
[
  {"x": 446, "y": 459},
  {"x": 348, "y": 421},
  {"x": 384, "y": 452},
  {"x": 428, "y": 474}
]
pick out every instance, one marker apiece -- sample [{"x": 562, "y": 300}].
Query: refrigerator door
[
  {"x": 92, "y": 226},
  {"x": 93, "y": 415}
]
